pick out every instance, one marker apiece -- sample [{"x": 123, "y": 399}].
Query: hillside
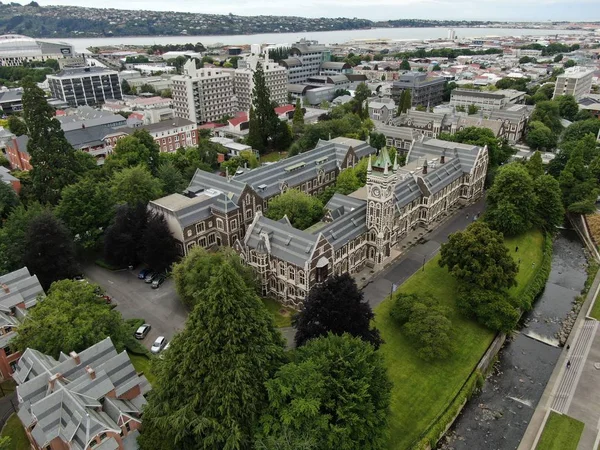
[{"x": 67, "y": 21}]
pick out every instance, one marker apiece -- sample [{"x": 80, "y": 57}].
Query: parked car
[
  {"x": 142, "y": 331},
  {"x": 150, "y": 277},
  {"x": 162, "y": 356},
  {"x": 158, "y": 281},
  {"x": 158, "y": 345},
  {"x": 143, "y": 273}
]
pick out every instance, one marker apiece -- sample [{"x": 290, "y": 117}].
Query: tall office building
[
  {"x": 85, "y": 86},
  {"x": 305, "y": 60},
  {"x": 276, "y": 79},
  {"x": 576, "y": 81},
  {"x": 203, "y": 95},
  {"x": 424, "y": 91},
  {"x": 451, "y": 34}
]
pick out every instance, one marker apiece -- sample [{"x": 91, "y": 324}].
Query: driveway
[
  {"x": 135, "y": 299},
  {"x": 396, "y": 274}
]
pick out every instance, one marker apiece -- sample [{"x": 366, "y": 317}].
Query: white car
[{"x": 158, "y": 345}]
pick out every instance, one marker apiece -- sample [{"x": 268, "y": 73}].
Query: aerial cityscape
[{"x": 258, "y": 228}]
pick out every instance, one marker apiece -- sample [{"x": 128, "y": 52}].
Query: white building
[
  {"x": 276, "y": 79},
  {"x": 85, "y": 86},
  {"x": 576, "y": 81},
  {"x": 16, "y": 49},
  {"x": 203, "y": 95}
]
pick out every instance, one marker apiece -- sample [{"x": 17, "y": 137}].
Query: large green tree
[
  {"x": 548, "y": 113},
  {"x": 496, "y": 309},
  {"x": 535, "y": 165},
  {"x": 171, "y": 179},
  {"x": 540, "y": 137},
  {"x": 549, "y": 207},
  {"x": 578, "y": 185},
  {"x": 298, "y": 121},
  {"x": 336, "y": 391},
  {"x": 130, "y": 151},
  {"x": 210, "y": 387},
  {"x": 160, "y": 249},
  {"x": 123, "y": 239},
  {"x": 49, "y": 251},
  {"x": 8, "y": 200},
  {"x": 53, "y": 159},
  {"x": 361, "y": 94},
  {"x": 86, "y": 207},
  {"x": 13, "y": 235},
  {"x": 192, "y": 275},
  {"x": 302, "y": 210},
  {"x": 336, "y": 306},
  {"x": 16, "y": 126},
  {"x": 135, "y": 185},
  {"x": 567, "y": 106},
  {"x": 71, "y": 318},
  {"x": 263, "y": 121},
  {"x": 478, "y": 256},
  {"x": 511, "y": 200}
]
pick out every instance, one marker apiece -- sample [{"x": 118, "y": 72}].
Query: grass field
[
  {"x": 281, "y": 314},
  {"x": 423, "y": 390},
  {"x": 142, "y": 364},
  {"x": 560, "y": 433},
  {"x": 273, "y": 157},
  {"x": 595, "y": 312},
  {"x": 14, "y": 429}
]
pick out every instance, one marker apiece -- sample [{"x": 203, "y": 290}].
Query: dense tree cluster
[{"x": 301, "y": 209}]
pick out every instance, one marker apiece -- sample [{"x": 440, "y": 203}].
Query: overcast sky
[{"x": 536, "y": 10}]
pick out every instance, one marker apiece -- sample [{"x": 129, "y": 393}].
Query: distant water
[{"x": 324, "y": 37}]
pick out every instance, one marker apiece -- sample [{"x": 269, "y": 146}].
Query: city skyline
[{"x": 528, "y": 10}]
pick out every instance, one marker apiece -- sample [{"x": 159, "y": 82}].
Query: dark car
[
  {"x": 143, "y": 273},
  {"x": 158, "y": 281},
  {"x": 150, "y": 277},
  {"x": 142, "y": 331}
]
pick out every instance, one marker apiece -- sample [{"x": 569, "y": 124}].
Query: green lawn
[
  {"x": 142, "y": 364},
  {"x": 423, "y": 390},
  {"x": 281, "y": 314},
  {"x": 560, "y": 433},
  {"x": 273, "y": 157},
  {"x": 14, "y": 429},
  {"x": 595, "y": 312}
]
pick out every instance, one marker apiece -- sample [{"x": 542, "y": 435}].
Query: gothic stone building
[
  {"x": 216, "y": 210},
  {"x": 362, "y": 229}
]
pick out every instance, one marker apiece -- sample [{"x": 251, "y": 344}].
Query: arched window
[
  {"x": 301, "y": 277},
  {"x": 282, "y": 269},
  {"x": 292, "y": 274}
]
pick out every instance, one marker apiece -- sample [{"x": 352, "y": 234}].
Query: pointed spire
[
  {"x": 386, "y": 170},
  {"x": 395, "y": 168},
  {"x": 369, "y": 166}
]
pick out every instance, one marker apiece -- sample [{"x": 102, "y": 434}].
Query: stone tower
[{"x": 381, "y": 181}]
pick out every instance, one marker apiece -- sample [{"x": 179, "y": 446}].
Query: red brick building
[{"x": 16, "y": 151}]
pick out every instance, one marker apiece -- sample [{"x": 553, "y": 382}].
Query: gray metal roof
[
  {"x": 164, "y": 125},
  {"x": 22, "y": 143},
  {"x": 203, "y": 180},
  {"x": 350, "y": 221},
  {"x": 6, "y": 176},
  {"x": 335, "y": 65},
  {"x": 443, "y": 175},
  {"x": 22, "y": 287},
  {"x": 395, "y": 132},
  {"x": 12, "y": 95},
  {"x": 280, "y": 240},
  {"x": 466, "y": 153},
  {"x": 84, "y": 137},
  {"x": 66, "y": 400},
  {"x": 85, "y": 120},
  {"x": 406, "y": 191}
]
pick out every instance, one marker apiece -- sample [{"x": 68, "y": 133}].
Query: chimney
[
  {"x": 52, "y": 380},
  {"x": 443, "y": 157},
  {"x": 425, "y": 167},
  {"x": 6, "y": 288},
  {"x": 91, "y": 372},
  {"x": 75, "y": 357}
]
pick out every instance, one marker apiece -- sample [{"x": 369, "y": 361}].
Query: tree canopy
[
  {"x": 123, "y": 239},
  {"x": 495, "y": 309},
  {"x": 336, "y": 306},
  {"x": 159, "y": 250},
  {"x": 210, "y": 387},
  {"x": 71, "y": 318},
  {"x": 134, "y": 150},
  {"x": 578, "y": 186},
  {"x": 540, "y": 137},
  {"x": 13, "y": 235},
  {"x": 8, "y": 200},
  {"x": 549, "y": 207},
  {"x": 135, "y": 185},
  {"x": 302, "y": 210},
  {"x": 478, "y": 256},
  {"x": 335, "y": 392}
]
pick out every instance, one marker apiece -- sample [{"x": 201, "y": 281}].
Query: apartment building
[
  {"x": 171, "y": 134},
  {"x": 85, "y": 85},
  {"x": 203, "y": 95},
  {"x": 276, "y": 80},
  {"x": 486, "y": 100},
  {"x": 87, "y": 400},
  {"x": 19, "y": 291},
  {"x": 305, "y": 60},
  {"x": 424, "y": 91},
  {"x": 576, "y": 81}
]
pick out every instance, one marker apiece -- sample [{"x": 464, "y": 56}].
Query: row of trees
[{"x": 244, "y": 390}]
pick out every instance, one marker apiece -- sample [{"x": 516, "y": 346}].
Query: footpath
[{"x": 573, "y": 387}]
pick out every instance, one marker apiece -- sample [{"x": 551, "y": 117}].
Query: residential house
[{"x": 382, "y": 109}]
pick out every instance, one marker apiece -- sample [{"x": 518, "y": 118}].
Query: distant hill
[{"x": 68, "y": 21}]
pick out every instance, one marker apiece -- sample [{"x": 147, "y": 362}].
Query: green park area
[
  {"x": 281, "y": 314},
  {"x": 141, "y": 363},
  {"x": 423, "y": 390},
  {"x": 272, "y": 157},
  {"x": 15, "y": 431},
  {"x": 560, "y": 433},
  {"x": 595, "y": 312}
]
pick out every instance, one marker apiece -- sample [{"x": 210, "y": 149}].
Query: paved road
[
  {"x": 160, "y": 307},
  {"x": 379, "y": 288}
]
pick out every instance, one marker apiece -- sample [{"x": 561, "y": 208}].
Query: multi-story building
[
  {"x": 92, "y": 399},
  {"x": 486, "y": 100},
  {"x": 11, "y": 101},
  {"x": 424, "y": 91},
  {"x": 203, "y": 95},
  {"x": 305, "y": 60},
  {"x": 276, "y": 80},
  {"x": 217, "y": 210},
  {"x": 363, "y": 229},
  {"x": 85, "y": 85},
  {"x": 19, "y": 291},
  {"x": 15, "y": 50},
  {"x": 18, "y": 156},
  {"x": 170, "y": 134},
  {"x": 381, "y": 109},
  {"x": 576, "y": 81}
]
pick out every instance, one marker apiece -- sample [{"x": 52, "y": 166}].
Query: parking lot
[{"x": 135, "y": 299}]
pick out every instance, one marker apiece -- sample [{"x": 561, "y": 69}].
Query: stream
[{"x": 496, "y": 418}]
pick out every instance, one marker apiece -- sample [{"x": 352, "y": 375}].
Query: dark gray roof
[
  {"x": 350, "y": 220},
  {"x": 164, "y": 125},
  {"x": 291, "y": 62},
  {"x": 466, "y": 153},
  {"x": 395, "y": 132},
  {"x": 335, "y": 65},
  {"x": 12, "y": 95},
  {"x": 22, "y": 143},
  {"x": 304, "y": 48},
  {"x": 67, "y": 402},
  {"x": 476, "y": 93},
  {"x": 22, "y": 287},
  {"x": 5, "y": 175},
  {"x": 85, "y": 119},
  {"x": 83, "y": 72},
  {"x": 280, "y": 240},
  {"x": 298, "y": 88},
  {"x": 206, "y": 180},
  {"x": 84, "y": 137},
  {"x": 443, "y": 175},
  {"x": 406, "y": 191}
]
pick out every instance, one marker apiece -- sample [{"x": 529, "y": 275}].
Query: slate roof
[
  {"x": 281, "y": 240},
  {"x": 89, "y": 120},
  {"x": 5, "y": 175},
  {"x": 22, "y": 288},
  {"x": 86, "y": 137},
  {"x": 467, "y": 154},
  {"x": 391, "y": 131},
  {"x": 349, "y": 220},
  {"x": 68, "y": 402},
  {"x": 22, "y": 143},
  {"x": 335, "y": 65},
  {"x": 406, "y": 191},
  {"x": 203, "y": 180}
]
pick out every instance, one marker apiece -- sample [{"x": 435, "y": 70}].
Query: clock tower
[{"x": 381, "y": 181}]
